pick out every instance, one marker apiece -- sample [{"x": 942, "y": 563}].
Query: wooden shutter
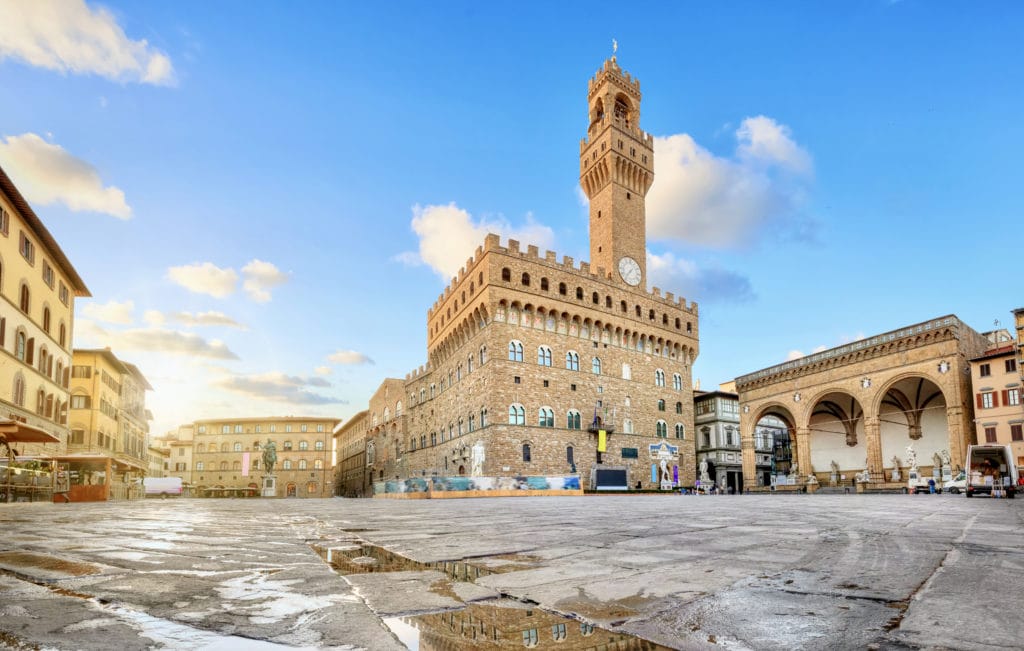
[{"x": 979, "y": 401}]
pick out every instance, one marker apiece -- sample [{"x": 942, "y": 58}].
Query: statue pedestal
[
  {"x": 269, "y": 486},
  {"x": 895, "y": 474}
]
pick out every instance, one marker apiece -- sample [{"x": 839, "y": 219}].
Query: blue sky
[{"x": 237, "y": 183}]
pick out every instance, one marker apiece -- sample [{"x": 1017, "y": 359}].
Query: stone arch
[
  {"x": 912, "y": 411},
  {"x": 836, "y": 431}
]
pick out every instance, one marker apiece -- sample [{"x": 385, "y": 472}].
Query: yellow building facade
[
  {"x": 227, "y": 456},
  {"x": 38, "y": 288}
]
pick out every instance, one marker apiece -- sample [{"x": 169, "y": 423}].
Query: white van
[
  {"x": 991, "y": 471},
  {"x": 162, "y": 486}
]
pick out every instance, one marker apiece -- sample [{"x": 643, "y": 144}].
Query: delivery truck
[
  {"x": 162, "y": 487},
  {"x": 990, "y": 471}
]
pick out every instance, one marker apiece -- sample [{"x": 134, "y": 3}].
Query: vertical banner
[
  {"x": 654, "y": 472},
  {"x": 602, "y": 440},
  {"x": 245, "y": 464},
  {"x": 675, "y": 475}
]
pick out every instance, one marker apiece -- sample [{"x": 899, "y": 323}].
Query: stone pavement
[{"x": 685, "y": 572}]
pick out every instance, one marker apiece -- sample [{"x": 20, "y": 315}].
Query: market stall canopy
[{"x": 12, "y": 431}]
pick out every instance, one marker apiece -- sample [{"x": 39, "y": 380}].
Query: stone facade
[
  {"x": 351, "y": 474},
  {"x": 717, "y": 434},
  {"x": 526, "y": 352},
  {"x": 227, "y": 453},
  {"x": 860, "y": 405}
]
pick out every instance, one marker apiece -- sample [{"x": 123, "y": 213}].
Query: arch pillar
[
  {"x": 803, "y": 451},
  {"x": 873, "y": 440},
  {"x": 959, "y": 435},
  {"x": 749, "y": 460}
]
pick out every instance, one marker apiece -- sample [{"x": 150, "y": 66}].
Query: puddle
[
  {"x": 24, "y": 560},
  {"x": 366, "y": 558},
  {"x": 504, "y": 624},
  {"x": 492, "y": 624}
]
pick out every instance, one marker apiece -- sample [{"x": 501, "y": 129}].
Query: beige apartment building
[
  {"x": 177, "y": 446},
  {"x": 351, "y": 476},
  {"x": 107, "y": 451},
  {"x": 38, "y": 287},
  {"x": 227, "y": 456},
  {"x": 996, "y": 380},
  {"x": 538, "y": 366}
]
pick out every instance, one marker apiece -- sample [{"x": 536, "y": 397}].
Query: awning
[{"x": 14, "y": 432}]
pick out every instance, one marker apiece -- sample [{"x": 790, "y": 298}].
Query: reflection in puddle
[
  {"x": 504, "y": 624},
  {"x": 493, "y": 624}
]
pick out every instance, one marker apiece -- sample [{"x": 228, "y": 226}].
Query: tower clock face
[{"x": 629, "y": 270}]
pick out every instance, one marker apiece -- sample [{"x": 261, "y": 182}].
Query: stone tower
[{"x": 616, "y": 171}]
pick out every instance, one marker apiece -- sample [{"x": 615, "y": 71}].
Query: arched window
[
  {"x": 201, "y": 448},
  {"x": 677, "y": 382},
  {"x": 562, "y": 289},
  {"x": 526, "y": 279},
  {"x": 623, "y": 306},
  {"x": 223, "y": 447},
  {"x": 579, "y": 293},
  {"x": 569, "y": 456},
  {"x": 483, "y": 355},
  {"x": 238, "y": 447},
  {"x": 572, "y": 419},
  {"x": 319, "y": 445},
  {"x": 516, "y": 414},
  {"x": 546, "y": 417},
  {"x": 679, "y": 407},
  {"x": 472, "y": 422},
  {"x": 63, "y": 336},
  {"x": 627, "y": 426},
  {"x": 661, "y": 429},
  {"x": 680, "y": 431},
  {"x": 19, "y": 346},
  {"x": 302, "y": 464},
  {"x": 398, "y": 406},
  {"x": 572, "y": 361},
  {"x": 303, "y": 445},
  {"x": 705, "y": 436},
  {"x": 236, "y": 465},
  {"x": 659, "y": 378},
  {"x": 483, "y": 418},
  {"x": 661, "y": 404},
  {"x": 387, "y": 415},
  {"x": 506, "y": 275},
  {"x": 318, "y": 464},
  {"x": 544, "y": 284},
  {"x": 595, "y": 365},
  {"x": 223, "y": 465},
  {"x": 287, "y": 445},
  {"x": 608, "y": 301},
  {"x": 200, "y": 466},
  {"x": 286, "y": 464},
  {"x": 469, "y": 364},
  {"x": 627, "y": 372},
  {"x": 515, "y": 351},
  {"x": 46, "y": 320},
  {"x": 19, "y": 390},
  {"x": 595, "y": 298},
  {"x": 24, "y": 299},
  {"x": 544, "y": 356},
  {"x": 526, "y": 452}
]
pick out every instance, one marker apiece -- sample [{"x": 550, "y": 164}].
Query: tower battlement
[{"x": 611, "y": 69}]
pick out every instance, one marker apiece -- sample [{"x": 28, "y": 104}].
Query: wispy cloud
[
  {"x": 69, "y": 36},
  {"x": 153, "y": 339},
  {"x": 723, "y": 202},
  {"x": 188, "y": 319},
  {"x": 260, "y": 277},
  {"x": 701, "y": 283},
  {"x": 205, "y": 278},
  {"x": 348, "y": 357},
  {"x": 449, "y": 235},
  {"x": 278, "y": 387},
  {"x": 47, "y": 174},
  {"x": 110, "y": 312}
]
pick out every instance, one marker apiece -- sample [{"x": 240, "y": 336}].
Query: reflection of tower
[{"x": 616, "y": 171}]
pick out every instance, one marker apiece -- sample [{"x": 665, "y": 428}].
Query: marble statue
[
  {"x": 835, "y": 467},
  {"x": 704, "y": 477},
  {"x": 937, "y": 460},
  {"x": 911, "y": 456},
  {"x": 945, "y": 458},
  {"x": 477, "y": 467}
]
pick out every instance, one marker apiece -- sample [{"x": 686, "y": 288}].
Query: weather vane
[{"x": 615, "y": 46}]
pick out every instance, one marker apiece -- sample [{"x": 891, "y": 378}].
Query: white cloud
[
  {"x": 277, "y": 387},
  {"x": 211, "y": 318},
  {"x": 46, "y": 174},
  {"x": 794, "y": 354},
  {"x": 348, "y": 357},
  {"x": 260, "y": 277},
  {"x": 449, "y": 236},
  {"x": 685, "y": 278},
  {"x": 69, "y": 36},
  {"x": 110, "y": 312},
  {"x": 154, "y": 317},
  {"x": 205, "y": 278},
  {"x": 155, "y": 340},
  {"x": 704, "y": 199},
  {"x": 322, "y": 370}
]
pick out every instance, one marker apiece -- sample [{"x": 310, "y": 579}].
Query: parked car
[
  {"x": 957, "y": 484},
  {"x": 991, "y": 471}
]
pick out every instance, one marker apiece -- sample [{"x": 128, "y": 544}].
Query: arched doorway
[
  {"x": 912, "y": 412},
  {"x": 837, "y": 436},
  {"x": 769, "y": 459}
]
